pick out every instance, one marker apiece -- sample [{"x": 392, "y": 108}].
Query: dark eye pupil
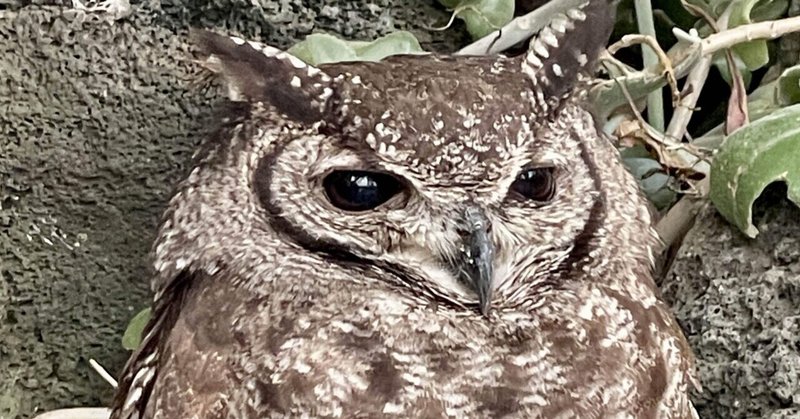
[
  {"x": 536, "y": 184},
  {"x": 359, "y": 190}
]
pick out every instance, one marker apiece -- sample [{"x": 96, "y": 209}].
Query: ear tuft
[
  {"x": 566, "y": 47},
  {"x": 259, "y": 73}
]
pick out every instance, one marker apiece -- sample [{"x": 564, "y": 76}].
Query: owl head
[{"x": 468, "y": 181}]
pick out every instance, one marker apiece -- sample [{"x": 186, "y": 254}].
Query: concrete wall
[{"x": 97, "y": 123}]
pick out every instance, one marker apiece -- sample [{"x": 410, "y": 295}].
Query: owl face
[
  {"x": 452, "y": 198},
  {"x": 455, "y": 172}
]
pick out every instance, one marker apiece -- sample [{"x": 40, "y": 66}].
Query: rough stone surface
[
  {"x": 97, "y": 123},
  {"x": 738, "y": 301}
]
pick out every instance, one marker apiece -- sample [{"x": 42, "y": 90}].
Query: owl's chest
[
  {"x": 362, "y": 352},
  {"x": 381, "y": 354}
]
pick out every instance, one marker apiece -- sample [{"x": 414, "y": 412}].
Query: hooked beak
[{"x": 477, "y": 256}]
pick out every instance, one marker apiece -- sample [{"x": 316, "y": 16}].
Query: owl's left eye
[
  {"x": 536, "y": 184},
  {"x": 360, "y": 190}
]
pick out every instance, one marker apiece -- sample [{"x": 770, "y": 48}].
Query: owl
[{"x": 427, "y": 236}]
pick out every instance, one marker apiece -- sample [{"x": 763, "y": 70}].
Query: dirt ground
[{"x": 97, "y": 122}]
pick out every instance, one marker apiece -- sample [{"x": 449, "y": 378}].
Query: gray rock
[{"x": 738, "y": 301}]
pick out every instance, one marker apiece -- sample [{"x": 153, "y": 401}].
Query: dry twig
[{"x": 669, "y": 71}]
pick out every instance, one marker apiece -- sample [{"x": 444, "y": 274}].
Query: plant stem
[
  {"x": 680, "y": 218},
  {"x": 103, "y": 373},
  {"x": 685, "y": 109},
  {"x": 655, "y": 102},
  {"x": 518, "y": 29},
  {"x": 770, "y": 29}
]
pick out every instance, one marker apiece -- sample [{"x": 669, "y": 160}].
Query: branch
[
  {"x": 686, "y": 106},
  {"x": 518, "y": 29},
  {"x": 680, "y": 218},
  {"x": 661, "y": 59},
  {"x": 103, "y": 373},
  {"x": 655, "y": 102},
  {"x": 770, "y": 29},
  {"x": 693, "y": 86}
]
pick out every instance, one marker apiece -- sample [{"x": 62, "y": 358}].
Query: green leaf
[
  {"x": 651, "y": 177},
  {"x": 608, "y": 95},
  {"x": 754, "y": 54},
  {"x": 769, "y": 10},
  {"x": 393, "y": 44},
  {"x": 788, "y": 92},
  {"x": 323, "y": 48},
  {"x": 482, "y": 17},
  {"x": 634, "y": 152},
  {"x": 642, "y": 167},
  {"x": 721, "y": 63},
  {"x": 762, "y": 102},
  {"x": 657, "y": 188},
  {"x": 133, "y": 333},
  {"x": 750, "y": 159},
  {"x": 320, "y": 48}
]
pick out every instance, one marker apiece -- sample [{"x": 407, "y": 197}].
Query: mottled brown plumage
[{"x": 426, "y": 236}]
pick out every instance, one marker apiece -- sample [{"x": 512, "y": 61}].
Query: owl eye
[
  {"x": 536, "y": 184},
  {"x": 360, "y": 190}
]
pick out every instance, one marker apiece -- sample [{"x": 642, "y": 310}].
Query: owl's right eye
[
  {"x": 360, "y": 190},
  {"x": 535, "y": 184}
]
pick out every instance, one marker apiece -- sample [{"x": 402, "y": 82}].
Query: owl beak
[{"x": 477, "y": 255}]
